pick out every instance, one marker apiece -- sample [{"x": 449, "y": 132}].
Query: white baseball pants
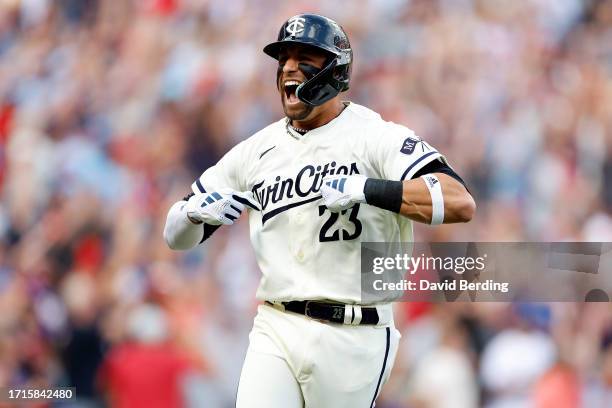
[{"x": 294, "y": 361}]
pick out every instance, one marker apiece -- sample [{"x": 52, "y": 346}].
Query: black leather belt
[{"x": 331, "y": 312}]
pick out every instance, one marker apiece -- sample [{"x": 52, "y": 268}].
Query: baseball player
[{"x": 315, "y": 184}]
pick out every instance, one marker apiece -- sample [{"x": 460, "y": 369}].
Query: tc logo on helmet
[{"x": 295, "y": 25}]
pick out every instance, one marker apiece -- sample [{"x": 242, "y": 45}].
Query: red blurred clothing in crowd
[
  {"x": 144, "y": 375},
  {"x": 7, "y": 115},
  {"x": 559, "y": 388}
]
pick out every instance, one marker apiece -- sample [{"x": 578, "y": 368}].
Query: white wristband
[{"x": 437, "y": 200}]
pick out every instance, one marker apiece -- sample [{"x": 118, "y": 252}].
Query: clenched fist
[
  {"x": 342, "y": 192},
  {"x": 219, "y": 207}
]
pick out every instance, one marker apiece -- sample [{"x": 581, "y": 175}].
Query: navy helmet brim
[{"x": 273, "y": 49}]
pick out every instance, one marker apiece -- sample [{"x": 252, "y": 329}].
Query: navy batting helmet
[{"x": 326, "y": 35}]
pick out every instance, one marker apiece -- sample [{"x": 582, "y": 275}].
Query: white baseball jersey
[{"x": 304, "y": 251}]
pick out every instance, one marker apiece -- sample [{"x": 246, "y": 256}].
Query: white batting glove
[
  {"x": 220, "y": 207},
  {"x": 342, "y": 192}
]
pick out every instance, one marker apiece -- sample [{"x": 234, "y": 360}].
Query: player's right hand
[{"x": 220, "y": 207}]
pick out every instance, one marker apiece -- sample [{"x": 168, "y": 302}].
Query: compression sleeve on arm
[
  {"x": 387, "y": 194},
  {"x": 179, "y": 232},
  {"x": 208, "y": 229},
  {"x": 438, "y": 166}
]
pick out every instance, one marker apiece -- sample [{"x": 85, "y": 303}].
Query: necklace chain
[
  {"x": 295, "y": 129},
  {"x": 299, "y": 130}
]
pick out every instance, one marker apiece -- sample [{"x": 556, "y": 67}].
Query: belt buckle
[
  {"x": 306, "y": 309},
  {"x": 307, "y": 312}
]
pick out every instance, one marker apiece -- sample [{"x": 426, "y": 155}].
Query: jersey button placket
[{"x": 298, "y": 223}]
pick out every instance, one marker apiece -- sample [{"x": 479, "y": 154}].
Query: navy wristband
[{"x": 385, "y": 194}]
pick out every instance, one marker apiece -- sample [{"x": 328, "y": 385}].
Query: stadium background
[{"x": 110, "y": 109}]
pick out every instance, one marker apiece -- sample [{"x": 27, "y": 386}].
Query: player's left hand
[{"x": 342, "y": 192}]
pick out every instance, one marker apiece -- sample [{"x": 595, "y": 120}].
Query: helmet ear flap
[
  {"x": 341, "y": 74},
  {"x": 320, "y": 88}
]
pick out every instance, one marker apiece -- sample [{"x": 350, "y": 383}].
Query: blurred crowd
[{"x": 110, "y": 109}]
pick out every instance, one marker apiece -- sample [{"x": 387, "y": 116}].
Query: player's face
[{"x": 290, "y": 77}]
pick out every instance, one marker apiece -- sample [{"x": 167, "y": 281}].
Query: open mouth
[{"x": 290, "y": 87}]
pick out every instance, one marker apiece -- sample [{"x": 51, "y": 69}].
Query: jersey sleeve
[
  {"x": 399, "y": 153},
  {"x": 227, "y": 173}
]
